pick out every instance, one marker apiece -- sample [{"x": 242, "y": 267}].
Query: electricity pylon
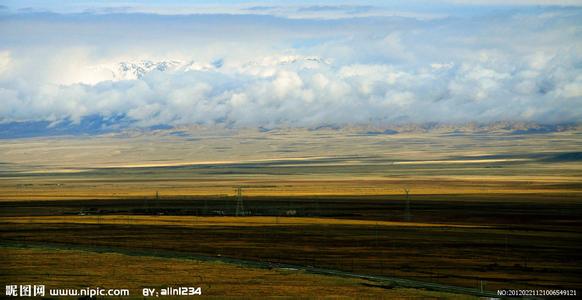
[
  {"x": 407, "y": 213},
  {"x": 239, "y": 202}
]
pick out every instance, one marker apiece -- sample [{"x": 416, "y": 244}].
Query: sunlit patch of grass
[{"x": 80, "y": 269}]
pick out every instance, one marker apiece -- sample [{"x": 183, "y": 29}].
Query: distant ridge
[{"x": 95, "y": 125}]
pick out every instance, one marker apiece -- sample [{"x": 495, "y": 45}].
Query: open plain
[{"x": 485, "y": 211}]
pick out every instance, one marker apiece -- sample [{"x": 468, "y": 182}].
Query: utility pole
[
  {"x": 157, "y": 201},
  {"x": 239, "y": 202},
  {"x": 146, "y": 206},
  {"x": 407, "y": 212}
]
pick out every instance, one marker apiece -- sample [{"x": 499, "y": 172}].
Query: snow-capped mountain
[
  {"x": 269, "y": 65},
  {"x": 138, "y": 69},
  {"x": 132, "y": 70},
  {"x": 300, "y": 61}
]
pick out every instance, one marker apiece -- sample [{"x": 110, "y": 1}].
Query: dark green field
[{"x": 530, "y": 241}]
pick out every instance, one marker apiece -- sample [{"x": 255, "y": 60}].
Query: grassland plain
[
  {"x": 287, "y": 163},
  {"x": 492, "y": 207},
  {"x": 81, "y": 269}
]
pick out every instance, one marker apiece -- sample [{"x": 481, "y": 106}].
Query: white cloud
[
  {"x": 265, "y": 71},
  {"x": 5, "y": 61}
]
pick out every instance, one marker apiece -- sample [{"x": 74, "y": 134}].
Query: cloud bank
[{"x": 263, "y": 70}]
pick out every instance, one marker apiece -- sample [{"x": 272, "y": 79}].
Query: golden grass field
[
  {"x": 485, "y": 206},
  {"x": 292, "y": 162},
  {"x": 79, "y": 269}
]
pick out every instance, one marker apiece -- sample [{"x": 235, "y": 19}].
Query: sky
[{"x": 296, "y": 63}]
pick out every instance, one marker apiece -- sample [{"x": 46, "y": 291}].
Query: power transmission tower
[
  {"x": 146, "y": 206},
  {"x": 239, "y": 202},
  {"x": 407, "y": 213},
  {"x": 157, "y": 203}
]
